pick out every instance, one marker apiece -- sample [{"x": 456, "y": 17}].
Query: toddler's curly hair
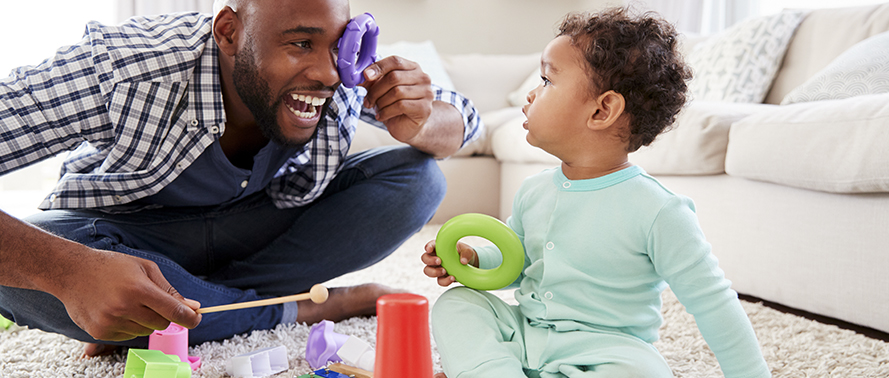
[{"x": 637, "y": 57}]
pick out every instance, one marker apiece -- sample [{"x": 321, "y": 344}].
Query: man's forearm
[
  {"x": 442, "y": 135},
  {"x": 26, "y": 254}
]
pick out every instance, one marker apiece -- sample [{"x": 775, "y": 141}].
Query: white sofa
[{"x": 794, "y": 198}]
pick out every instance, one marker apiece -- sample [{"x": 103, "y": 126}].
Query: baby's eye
[{"x": 545, "y": 81}]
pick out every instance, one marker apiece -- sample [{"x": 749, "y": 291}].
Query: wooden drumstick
[{"x": 317, "y": 294}]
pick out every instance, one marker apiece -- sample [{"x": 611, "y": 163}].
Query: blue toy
[{"x": 324, "y": 373}]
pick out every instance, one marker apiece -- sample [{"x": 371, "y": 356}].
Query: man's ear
[
  {"x": 225, "y": 31},
  {"x": 609, "y": 107}
]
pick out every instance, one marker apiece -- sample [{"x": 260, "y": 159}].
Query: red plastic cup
[{"x": 403, "y": 348}]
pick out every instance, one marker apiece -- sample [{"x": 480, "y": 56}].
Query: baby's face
[{"x": 558, "y": 109}]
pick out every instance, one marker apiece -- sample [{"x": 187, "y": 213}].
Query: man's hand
[
  {"x": 112, "y": 296},
  {"x": 402, "y": 94},
  {"x": 115, "y": 297},
  {"x": 404, "y": 99}
]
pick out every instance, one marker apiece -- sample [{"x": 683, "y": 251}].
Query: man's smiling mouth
[{"x": 304, "y": 106}]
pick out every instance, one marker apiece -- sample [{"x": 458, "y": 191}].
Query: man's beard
[{"x": 256, "y": 95}]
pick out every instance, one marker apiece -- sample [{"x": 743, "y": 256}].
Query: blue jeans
[{"x": 251, "y": 249}]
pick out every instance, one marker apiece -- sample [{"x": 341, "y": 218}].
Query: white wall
[
  {"x": 34, "y": 30},
  {"x": 474, "y": 26}
]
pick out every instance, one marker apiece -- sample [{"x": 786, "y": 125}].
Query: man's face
[{"x": 285, "y": 71}]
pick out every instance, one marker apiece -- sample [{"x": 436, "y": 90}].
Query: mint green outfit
[{"x": 598, "y": 254}]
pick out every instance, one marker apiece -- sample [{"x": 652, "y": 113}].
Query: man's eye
[{"x": 302, "y": 44}]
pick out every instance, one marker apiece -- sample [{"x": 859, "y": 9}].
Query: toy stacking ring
[
  {"x": 357, "y": 49},
  {"x": 487, "y": 227}
]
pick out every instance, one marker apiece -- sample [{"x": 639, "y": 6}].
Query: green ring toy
[{"x": 492, "y": 229}]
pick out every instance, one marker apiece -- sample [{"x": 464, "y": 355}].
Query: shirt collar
[{"x": 206, "y": 87}]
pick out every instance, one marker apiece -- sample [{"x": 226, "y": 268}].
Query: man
[{"x": 209, "y": 166}]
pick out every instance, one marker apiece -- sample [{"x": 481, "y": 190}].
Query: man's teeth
[
  {"x": 303, "y": 114},
  {"x": 312, "y": 101}
]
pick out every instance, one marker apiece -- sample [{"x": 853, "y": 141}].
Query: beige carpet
[{"x": 793, "y": 346}]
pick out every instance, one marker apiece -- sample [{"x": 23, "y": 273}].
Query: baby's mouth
[{"x": 304, "y": 106}]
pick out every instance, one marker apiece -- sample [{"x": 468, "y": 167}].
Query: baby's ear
[{"x": 609, "y": 108}]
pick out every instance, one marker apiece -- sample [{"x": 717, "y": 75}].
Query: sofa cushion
[
  {"x": 820, "y": 38},
  {"x": 834, "y": 146},
  {"x": 488, "y": 79},
  {"x": 519, "y": 97},
  {"x": 862, "y": 69},
  {"x": 738, "y": 64},
  {"x": 424, "y": 54},
  {"x": 696, "y": 144},
  {"x": 493, "y": 120},
  {"x": 509, "y": 145}
]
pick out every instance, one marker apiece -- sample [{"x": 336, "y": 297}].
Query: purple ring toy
[{"x": 357, "y": 49}]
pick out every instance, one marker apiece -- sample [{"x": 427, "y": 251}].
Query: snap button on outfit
[
  {"x": 244, "y": 184},
  {"x": 566, "y": 184},
  {"x": 194, "y": 122},
  {"x": 548, "y": 295},
  {"x": 214, "y": 129},
  {"x": 550, "y": 245}
]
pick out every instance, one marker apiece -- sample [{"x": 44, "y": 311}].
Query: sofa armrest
[
  {"x": 697, "y": 143},
  {"x": 836, "y": 146}
]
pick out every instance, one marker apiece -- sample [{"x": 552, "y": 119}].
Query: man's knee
[
  {"x": 435, "y": 183},
  {"x": 426, "y": 171},
  {"x": 424, "y": 183},
  {"x": 65, "y": 224}
]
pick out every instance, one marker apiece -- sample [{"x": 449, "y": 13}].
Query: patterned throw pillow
[
  {"x": 860, "y": 70},
  {"x": 739, "y": 64}
]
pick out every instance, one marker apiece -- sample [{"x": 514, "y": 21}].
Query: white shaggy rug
[{"x": 793, "y": 346}]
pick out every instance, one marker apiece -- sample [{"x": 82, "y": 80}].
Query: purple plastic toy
[
  {"x": 357, "y": 49},
  {"x": 322, "y": 345}
]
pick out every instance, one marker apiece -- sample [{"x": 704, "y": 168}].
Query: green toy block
[
  {"x": 147, "y": 363},
  {"x": 5, "y": 323}
]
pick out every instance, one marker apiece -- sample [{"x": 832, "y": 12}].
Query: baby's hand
[{"x": 433, "y": 262}]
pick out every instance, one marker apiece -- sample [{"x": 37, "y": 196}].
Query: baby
[{"x": 602, "y": 238}]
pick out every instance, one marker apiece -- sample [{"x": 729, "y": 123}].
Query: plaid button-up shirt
[{"x": 136, "y": 104}]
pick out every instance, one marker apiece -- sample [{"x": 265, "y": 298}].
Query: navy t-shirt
[{"x": 213, "y": 180}]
